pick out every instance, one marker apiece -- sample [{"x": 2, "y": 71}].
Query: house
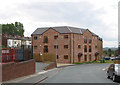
[
  {"x": 69, "y": 44},
  {"x": 16, "y": 41}
]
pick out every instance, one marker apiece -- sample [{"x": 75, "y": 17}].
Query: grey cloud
[{"x": 81, "y": 13}]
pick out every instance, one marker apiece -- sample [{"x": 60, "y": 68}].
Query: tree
[
  {"x": 13, "y": 29},
  {"x": 105, "y": 52},
  {"x": 109, "y": 52}
]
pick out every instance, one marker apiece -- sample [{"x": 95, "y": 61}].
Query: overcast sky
[{"x": 99, "y": 16}]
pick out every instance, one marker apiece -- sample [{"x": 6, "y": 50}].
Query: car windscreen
[{"x": 118, "y": 66}]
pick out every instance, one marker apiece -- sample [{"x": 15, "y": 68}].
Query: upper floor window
[
  {"x": 65, "y": 36},
  {"x": 56, "y": 46},
  {"x": 45, "y": 49},
  {"x": 85, "y": 39},
  {"x": 35, "y": 37},
  {"x": 90, "y": 40},
  {"x": 45, "y": 39},
  {"x": 66, "y": 46},
  {"x": 56, "y": 37},
  {"x": 79, "y": 46},
  {"x": 79, "y": 37}
]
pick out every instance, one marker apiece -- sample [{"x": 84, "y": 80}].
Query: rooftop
[{"x": 61, "y": 29}]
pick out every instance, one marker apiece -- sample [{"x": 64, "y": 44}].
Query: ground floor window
[
  {"x": 57, "y": 56},
  {"x": 45, "y": 49},
  {"x": 89, "y": 57},
  {"x": 65, "y": 56},
  {"x": 85, "y": 57}
]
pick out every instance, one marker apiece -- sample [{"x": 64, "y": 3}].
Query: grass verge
[{"x": 96, "y": 62}]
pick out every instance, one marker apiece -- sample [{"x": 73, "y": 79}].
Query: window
[
  {"x": 90, "y": 50},
  {"x": 79, "y": 46},
  {"x": 45, "y": 49},
  {"x": 89, "y": 57},
  {"x": 65, "y": 56},
  {"x": 56, "y": 37},
  {"x": 35, "y": 37},
  {"x": 56, "y": 46},
  {"x": 95, "y": 46},
  {"x": 66, "y": 46},
  {"x": 57, "y": 57},
  {"x": 35, "y": 47},
  {"x": 90, "y": 40},
  {"x": 85, "y": 48},
  {"x": 85, "y": 39},
  {"x": 9, "y": 43},
  {"x": 79, "y": 37},
  {"x": 45, "y": 39},
  {"x": 15, "y": 42},
  {"x": 65, "y": 36},
  {"x": 85, "y": 58}
]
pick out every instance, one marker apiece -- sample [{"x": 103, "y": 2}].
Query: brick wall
[
  {"x": 51, "y": 42},
  {"x": 79, "y": 40},
  {"x": 73, "y": 41},
  {"x": 51, "y": 66},
  {"x": 15, "y": 70}
]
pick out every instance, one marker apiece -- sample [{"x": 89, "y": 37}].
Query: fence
[
  {"x": 45, "y": 57},
  {"x": 15, "y": 55}
]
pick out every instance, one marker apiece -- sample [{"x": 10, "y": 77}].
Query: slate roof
[
  {"x": 61, "y": 29},
  {"x": 18, "y": 38}
]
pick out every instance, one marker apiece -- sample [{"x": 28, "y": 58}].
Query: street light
[{"x": 56, "y": 49}]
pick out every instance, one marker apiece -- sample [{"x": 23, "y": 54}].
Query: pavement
[
  {"x": 35, "y": 78},
  {"x": 40, "y": 66},
  {"x": 64, "y": 65}
]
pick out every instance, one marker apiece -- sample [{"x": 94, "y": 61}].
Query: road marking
[{"x": 40, "y": 81}]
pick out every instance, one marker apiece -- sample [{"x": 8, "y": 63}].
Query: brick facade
[
  {"x": 73, "y": 40},
  {"x": 15, "y": 70}
]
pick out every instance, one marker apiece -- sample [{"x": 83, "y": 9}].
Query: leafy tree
[
  {"x": 105, "y": 52},
  {"x": 109, "y": 52},
  {"x": 13, "y": 29}
]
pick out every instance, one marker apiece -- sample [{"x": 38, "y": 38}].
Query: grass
[
  {"x": 96, "y": 62},
  {"x": 109, "y": 61}
]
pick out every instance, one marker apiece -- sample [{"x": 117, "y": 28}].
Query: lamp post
[{"x": 56, "y": 49}]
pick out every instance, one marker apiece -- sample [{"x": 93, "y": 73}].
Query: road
[{"x": 86, "y": 73}]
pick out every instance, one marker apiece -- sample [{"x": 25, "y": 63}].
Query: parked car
[
  {"x": 113, "y": 72},
  {"x": 106, "y": 58},
  {"x": 112, "y": 58},
  {"x": 117, "y": 58}
]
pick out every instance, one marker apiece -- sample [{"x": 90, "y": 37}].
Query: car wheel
[
  {"x": 108, "y": 77},
  {"x": 114, "y": 77}
]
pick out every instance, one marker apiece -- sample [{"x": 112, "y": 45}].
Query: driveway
[{"x": 40, "y": 66}]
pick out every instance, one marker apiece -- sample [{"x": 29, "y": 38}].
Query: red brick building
[{"x": 70, "y": 44}]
